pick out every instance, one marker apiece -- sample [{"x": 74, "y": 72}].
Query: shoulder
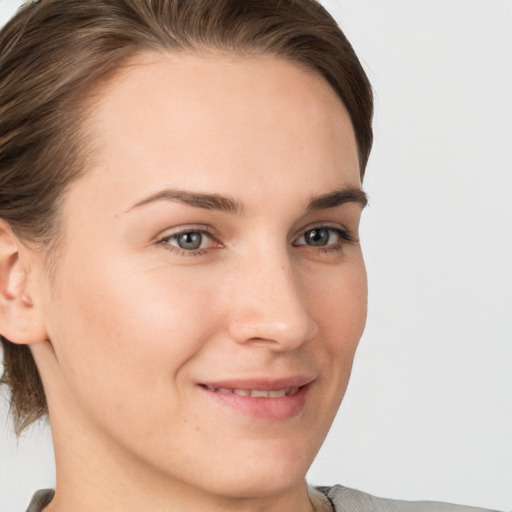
[
  {"x": 40, "y": 500},
  {"x": 343, "y": 499},
  {"x": 350, "y": 500}
]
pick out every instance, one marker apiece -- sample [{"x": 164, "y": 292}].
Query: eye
[
  {"x": 324, "y": 237},
  {"x": 189, "y": 241}
]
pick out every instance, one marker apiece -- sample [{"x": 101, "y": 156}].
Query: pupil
[
  {"x": 190, "y": 241},
  {"x": 317, "y": 237}
]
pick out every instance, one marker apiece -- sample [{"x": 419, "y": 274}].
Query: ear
[{"x": 21, "y": 321}]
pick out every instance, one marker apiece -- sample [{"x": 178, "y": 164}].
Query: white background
[{"x": 428, "y": 414}]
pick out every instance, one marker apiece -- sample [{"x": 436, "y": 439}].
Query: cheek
[
  {"x": 339, "y": 305},
  {"x": 128, "y": 331},
  {"x": 339, "y": 308}
]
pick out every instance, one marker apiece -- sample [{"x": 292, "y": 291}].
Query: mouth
[
  {"x": 257, "y": 393},
  {"x": 276, "y": 400}
]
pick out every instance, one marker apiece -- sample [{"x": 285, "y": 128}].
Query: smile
[
  {"x": 257, "y": 393},
  {"x": 274, "y": 400}
]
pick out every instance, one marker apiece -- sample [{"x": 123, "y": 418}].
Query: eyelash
[
  {"x": 165, "y": 241},
  {"x": 345, "y": 238}
]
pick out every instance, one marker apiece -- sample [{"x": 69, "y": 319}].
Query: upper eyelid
[
  {"x": 215, "y": 235},
  {"x": 165, "y": 240},
  {"x": 328, "y": 228},
  {"x": 321, "y": 225},
  {"x": 173, "y": 232}
]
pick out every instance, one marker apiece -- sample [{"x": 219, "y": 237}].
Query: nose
[{"x": 269, "y": 305}]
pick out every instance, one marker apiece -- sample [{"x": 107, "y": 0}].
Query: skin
[{"x": 132, "y": 324}]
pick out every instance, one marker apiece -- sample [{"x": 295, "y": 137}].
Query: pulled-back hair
[{"x": 55, "y": 53}]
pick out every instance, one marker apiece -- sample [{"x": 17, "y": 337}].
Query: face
[{"x": 210, "y": 290}]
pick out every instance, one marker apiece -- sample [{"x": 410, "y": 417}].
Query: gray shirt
[
  {"x": 341, "y": 498},
  {"x": 350, "y": 500}
]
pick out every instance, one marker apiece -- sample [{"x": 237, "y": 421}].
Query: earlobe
[{"x": 21, "y": 321}]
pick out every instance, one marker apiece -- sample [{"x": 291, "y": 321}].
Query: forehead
[{"x": 205, "y": 119}]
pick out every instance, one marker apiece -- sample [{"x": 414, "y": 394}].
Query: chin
[
  {"x": 260, "y": 485},
  {"x": 266, "y": 472}
]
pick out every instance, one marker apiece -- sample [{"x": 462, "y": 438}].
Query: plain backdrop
[{"x": 428, "y": 413}]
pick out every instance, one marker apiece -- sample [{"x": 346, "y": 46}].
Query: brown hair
[{"x": 53, "y": 54}]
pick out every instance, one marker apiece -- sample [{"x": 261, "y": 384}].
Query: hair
[{"x": 55, "y": 53}]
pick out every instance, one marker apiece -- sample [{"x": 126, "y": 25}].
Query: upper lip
[{"x": 263, "y": 384}]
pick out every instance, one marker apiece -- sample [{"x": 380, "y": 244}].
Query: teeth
[
  {"x": 257, "y": 393},
  {"x": 275, "y": 394},
  {"x": 243, "y": 392}
]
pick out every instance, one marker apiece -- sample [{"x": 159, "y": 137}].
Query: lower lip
[{"x": 274, "y": 409}]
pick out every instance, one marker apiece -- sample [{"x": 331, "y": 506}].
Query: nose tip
[{"x": 273, "y": 311}]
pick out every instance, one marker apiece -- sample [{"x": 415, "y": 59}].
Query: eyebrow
[
  {"x": 199, "y": 200},
  {"x": 338, "y": 197},
  {"x": 217, "y": 202}
]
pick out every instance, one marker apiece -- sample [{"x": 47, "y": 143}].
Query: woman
[{"x": 182, "y": 286}]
